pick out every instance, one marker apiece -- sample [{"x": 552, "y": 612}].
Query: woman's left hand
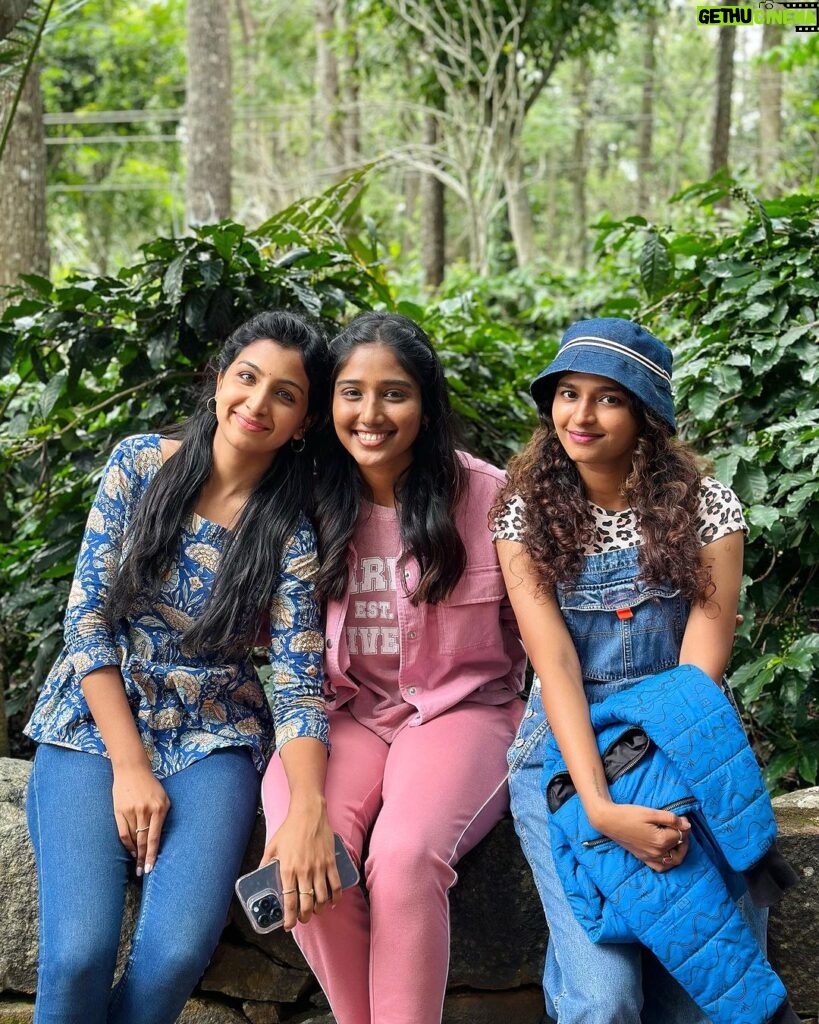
[
  {"x": 658, "y": 838},
  {"x": 304, "y": 848}
]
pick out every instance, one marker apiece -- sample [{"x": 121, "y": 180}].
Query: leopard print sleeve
[
  {"x": 720, "y": 512},
  {"x": 509, "y": 524}
]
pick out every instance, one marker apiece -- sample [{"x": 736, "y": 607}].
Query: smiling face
[
  {"x": 261, "y": 399},
  {"x": 377, "y": 415},
  {"x": 595, "y": 423}
]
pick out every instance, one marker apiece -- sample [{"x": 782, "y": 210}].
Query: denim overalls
[{"x": 623, "y": 629}]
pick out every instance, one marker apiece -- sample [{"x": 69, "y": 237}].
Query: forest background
[{"x": 494, "y": 168}]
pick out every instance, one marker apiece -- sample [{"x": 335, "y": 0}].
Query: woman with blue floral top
[{"x": 152, "y": 725}]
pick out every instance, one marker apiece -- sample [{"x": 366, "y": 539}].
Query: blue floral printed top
[{"x": 185, "y": 705}]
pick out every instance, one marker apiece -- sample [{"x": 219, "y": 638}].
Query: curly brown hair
[{"x": 662, "y": 488}]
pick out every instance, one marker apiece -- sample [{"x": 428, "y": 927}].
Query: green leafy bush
[
  {"x": 495, "y": 334},
  {"x": 739, "y": 307}
]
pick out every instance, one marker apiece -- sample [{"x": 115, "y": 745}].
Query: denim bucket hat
[{"x": 618, "y": 349}]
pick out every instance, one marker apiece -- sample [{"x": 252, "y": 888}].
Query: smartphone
[
  {"x": 347, "y": 871},
  {"x": 260, "y": 891}
]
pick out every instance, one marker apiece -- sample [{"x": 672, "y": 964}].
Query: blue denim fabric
[
  {"x": 82, "y": 871},
  {"x": 621, "y": 651},
  {"x": 609, "y": 983}
]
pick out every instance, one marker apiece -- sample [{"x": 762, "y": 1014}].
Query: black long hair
[
  {"x": 427, "y": 493},
  {"x": 662, "y": 488},
  {"x": 248, "y": 574}
]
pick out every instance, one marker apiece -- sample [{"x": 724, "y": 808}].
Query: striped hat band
[{"x": 621, "y": 350}]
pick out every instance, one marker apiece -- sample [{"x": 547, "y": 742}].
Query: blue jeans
[
  {"x": 83, "y": 869},
  {"x": 585, "y": 982}
]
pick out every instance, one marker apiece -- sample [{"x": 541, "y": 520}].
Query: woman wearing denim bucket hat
[{"x": 605, "y": 501}]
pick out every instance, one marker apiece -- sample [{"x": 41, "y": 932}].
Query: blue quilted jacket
[{"x": 674, "y": 741}]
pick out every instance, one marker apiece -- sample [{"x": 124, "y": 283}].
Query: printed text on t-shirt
[{"x": 373, "y": 574}]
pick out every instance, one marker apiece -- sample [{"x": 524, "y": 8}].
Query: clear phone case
[
  {"x": 260, "y": 891},
  {"x": 260, "y": 894}
]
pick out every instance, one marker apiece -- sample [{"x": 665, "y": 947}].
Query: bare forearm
[
  {"x": 554, "y": 657},
  {"x": 104, "y": 693},
  {"x": 303, "y": 844},
  {"x": 305, "y": 764},
  {"x": 568, "y": 712},
  {"x": 139, "y": 799},
  {"x": 708, "y": 640},
  {"x": 712, "y": 661}
]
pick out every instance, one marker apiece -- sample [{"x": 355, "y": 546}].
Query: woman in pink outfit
[{"x": 424, "y": 668}]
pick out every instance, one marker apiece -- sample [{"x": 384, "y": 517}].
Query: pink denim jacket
[{"x": 467, "y": 647}]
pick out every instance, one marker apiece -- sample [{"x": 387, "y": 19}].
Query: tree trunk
[
  {"x": 350, "y": 87},
  {"x": 552, "y": 232},
  {"x": 770, "y": 106},
  {"x": 253, "y": 196},
  {"x": 24, "y": 240},
  {"x": 328, "y": 87},
  {"x": 433, "y": 216},
  {"x": 11, "y": 11},
  {"x": 580, "y": 161},
  {"x": 208, "y": 112},
  {"x": 521, "y": 223},
  {"x": 408, "y": 233},
  {"x": 721, "y": 135},
  {"x": 645, "y": 130}
]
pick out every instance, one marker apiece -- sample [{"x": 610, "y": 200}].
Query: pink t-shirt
[
  {"x": 465, "y": 648},
  {"x": 371, "y": 624}
]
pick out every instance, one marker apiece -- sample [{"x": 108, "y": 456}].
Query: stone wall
[{"x": 498, "y": 934}]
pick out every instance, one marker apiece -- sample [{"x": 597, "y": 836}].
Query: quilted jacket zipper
[{"x": 681, "y": 802}]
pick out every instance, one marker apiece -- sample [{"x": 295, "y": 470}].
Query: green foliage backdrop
[
  {"x": 739, "y": 308},
  {"x": 735, "y": 295},
  {"x": 743, "y": 318}
]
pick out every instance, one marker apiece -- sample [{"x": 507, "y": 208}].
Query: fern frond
[
  {"x": 19, "y": 33},
  {"x": 17, "y": 52}
]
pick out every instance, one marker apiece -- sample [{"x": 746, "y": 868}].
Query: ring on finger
[
  {"x": 680, "y": 841},
  {"x": 144, "y": 828},
  {"x": 286, "y": 892},
  {"x": 308, "y": 892},
  {"x": 667, "y": 859}
]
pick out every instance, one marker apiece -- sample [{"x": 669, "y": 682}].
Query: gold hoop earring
[
  {"x": 293, "y": 442},
  {"x": 207, "y": 405}
]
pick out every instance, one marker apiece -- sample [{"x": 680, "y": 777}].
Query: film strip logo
[{"x": 799, "y": 5}]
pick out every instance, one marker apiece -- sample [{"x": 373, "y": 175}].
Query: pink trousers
[{"x": 423, "y": 801}]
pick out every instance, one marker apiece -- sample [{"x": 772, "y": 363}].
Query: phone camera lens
[
  {"x": 277, "y": 913},
  {"x": 264, "y": 920},
  {"x": 266, "y": 903}
]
